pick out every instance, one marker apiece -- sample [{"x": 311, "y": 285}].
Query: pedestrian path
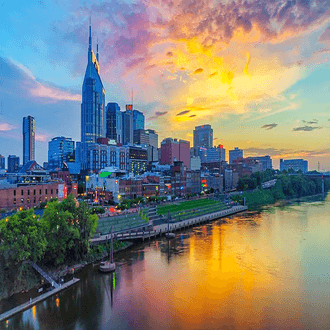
[{"x": 5, "y": 316}]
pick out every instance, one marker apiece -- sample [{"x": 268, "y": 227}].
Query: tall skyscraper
[
  {"x": 127, "y": 126},
  {"x": 28, "y": 139},
  {"x": 60, "y": 150},
  {"x": 93, "y": 114},
  {"x": 203, "y": 136},
  {"x": 138, "y": 120},
  {"x": 114, "y": 123}
]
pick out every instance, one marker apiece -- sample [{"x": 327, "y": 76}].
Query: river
[{"x": 266, "y": 269}]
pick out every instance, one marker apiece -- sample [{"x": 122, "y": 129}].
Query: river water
[{"x": 261, "y": 270}]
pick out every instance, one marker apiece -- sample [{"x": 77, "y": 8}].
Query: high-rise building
[
  {"x": 28, "y": 139},
  {"x": 153, "y": 138},
  {"x": 60, "y": 150},
  {"x": 138, "y": 120},
  {"x": 93, "y": 114},
  {"x": 127, "y": 117},
  {"x": 265, "y": 161},
  {"x": 294, "y": 164},
  {"x": 203, "y": 136},
  {"x": 234, "y": 154},
  {"x": 13, "y": 163},
  {"x": 174, "y": 150},
  {"x": 2, "y": 162},
  {"x": 114, "y": 123}
]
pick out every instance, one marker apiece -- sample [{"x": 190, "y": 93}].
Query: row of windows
[
  {"x": 35, "y": 190},
  {"x": 29, "y": 201}
]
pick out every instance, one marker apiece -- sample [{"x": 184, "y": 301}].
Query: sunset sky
[{"x": 257, "y": 71}]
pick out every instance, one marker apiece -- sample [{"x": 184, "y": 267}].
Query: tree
[{"x": 23, "y": 237}]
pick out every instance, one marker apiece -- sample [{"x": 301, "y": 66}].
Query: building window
[
  {"x": 14, "y": 201},
  {"x": 56, "y": 191},
  {"x": 14, "y": 192},
  {"x": 22, "y": 200},
  {"x": 46, "y": 199},
  {"x": 34, "y": 200},
  {"x": 22, "y": 192},
  {"x": 29, "y": 192},
  {"x": 46, "y": 191},
  {"x": 51, "y": 191},
  {"x": 34, "y": 192},
  {"x": 39, "y": 191},
  {"x": 28, "y": 200}
]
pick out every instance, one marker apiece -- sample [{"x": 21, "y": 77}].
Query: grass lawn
[{"x": 186, "y": 205}]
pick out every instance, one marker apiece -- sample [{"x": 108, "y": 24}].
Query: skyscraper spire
[
  {"x": 97, "y": 50},
  {"x": 90, "y": 34}
]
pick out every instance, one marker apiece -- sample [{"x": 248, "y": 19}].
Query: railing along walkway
[{"x": 43, "y": 274}]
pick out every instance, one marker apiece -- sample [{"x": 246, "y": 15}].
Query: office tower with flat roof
[
  {"x": 174, "y": 150},
  {"x": 13, "y": 163},
  {"x": 127, "y": 118},
  {"x": 138, "y": 120},
  {"x": 93, "y": 114},
  {"x": 294, "y": 164},
  {"x": 60, "y": 151},
  {"x": 203, "y": 136},
  {"x": 2, "y": 162},
  {"x": 28, "y": 139},
  {"x": 114, "y": 122},
  {"x": 234, "y": 154}
]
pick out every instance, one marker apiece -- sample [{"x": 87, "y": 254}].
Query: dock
[{"x": 29, "y": 304}]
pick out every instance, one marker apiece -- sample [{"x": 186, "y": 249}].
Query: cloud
[
  {"x": 198, "y": 71},
  {"x": 213, "y": 74},
  {"x": 191, "y": 116},
  {"x": 315, "y": 121},
  {"x": 183, "y": 112},
  {"x": 269, "y": 126},
  {"x": 306, "y": 128},
  {"x": 6, "y": 127},
  {"x": 42, "y": 137},
  {"x": 325, "y": 36},
  {"x": 158, "y": 114}
]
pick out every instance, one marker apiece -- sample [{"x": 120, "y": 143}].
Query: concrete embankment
[
  {"x": 200, "y": 219},
  {"x": 5, "y": 316}
]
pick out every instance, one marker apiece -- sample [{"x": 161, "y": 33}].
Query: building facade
[
  {"x": 138, "y": 120},
  {"x": 32, "y": 195},
  {"x": 234, "y": 154},
  {"x": 28, "y": 139},
  {"x": 13, "y": 163},
  {"x": 2, "y": 162},
  {"x": 93, "y": 114},
  {"x": 294, "y": 164},
  {"x": 114, "y": 123},
  {"x": 127, "y": 119},
  {"x": 60, "y": 151},
  {"x": 203, "y": 136},
  {"x": 174, "y": 150},
  {"x": 265, "y": 161}
]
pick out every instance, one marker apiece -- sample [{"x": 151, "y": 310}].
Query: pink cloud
[
  {"x": 42, "y": 137},
  {"x": 6, "y": 127},
  {"x": 54, "y": 93}
]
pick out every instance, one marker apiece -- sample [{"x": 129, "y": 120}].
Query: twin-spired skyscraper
[{"x": 93, "y": 115}]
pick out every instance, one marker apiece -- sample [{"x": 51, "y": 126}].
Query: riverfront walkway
[
  {"x": 162, "y": 229},
  {"x": 5, "y": 316}
]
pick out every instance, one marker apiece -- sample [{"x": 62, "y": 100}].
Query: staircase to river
[{"x": 43, "y": 274}]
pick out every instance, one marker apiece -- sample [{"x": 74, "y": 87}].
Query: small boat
[{"x": 108, "y": 266}]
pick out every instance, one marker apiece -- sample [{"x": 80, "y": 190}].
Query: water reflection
[{"x": 267, "y": 269}]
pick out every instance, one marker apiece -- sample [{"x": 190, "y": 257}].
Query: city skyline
[{"x": 260, "y": 86}]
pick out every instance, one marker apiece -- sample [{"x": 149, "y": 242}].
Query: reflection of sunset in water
[{"x": 265, "y": 270}]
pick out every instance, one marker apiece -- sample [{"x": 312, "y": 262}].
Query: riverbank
[{"x": 28, "y": 280}]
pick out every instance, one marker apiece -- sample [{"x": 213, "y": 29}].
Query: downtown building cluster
[{"x": 119, "y": 158}]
